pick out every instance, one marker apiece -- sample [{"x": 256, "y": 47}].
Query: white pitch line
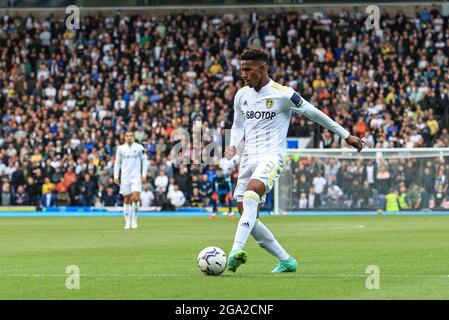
[
  {"x": 341, "y": 227},
  {"x": 152, "y": 275},
  {"x": 361, "y": 226}
]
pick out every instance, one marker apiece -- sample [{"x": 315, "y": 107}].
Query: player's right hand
[
  {"x": 355, "y": 142},
  {"x": 116, "y": 181},
  {"x": 230, "y": 152}
]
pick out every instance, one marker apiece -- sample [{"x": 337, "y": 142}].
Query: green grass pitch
[{"x": 158, "y": 260}]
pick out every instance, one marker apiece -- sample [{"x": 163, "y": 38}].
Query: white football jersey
[
  {"x": 263, "y": 118},
  {"x": 130, "y": 162}
]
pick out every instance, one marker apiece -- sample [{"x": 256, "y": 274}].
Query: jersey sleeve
[
  {"x": 117, "y": 162},
  {"x": 237, "y": 130},
  {"x": 303, "y": 107}
]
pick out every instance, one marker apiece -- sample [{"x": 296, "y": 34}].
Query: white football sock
[
  {"x": 250, "y": 204},
  {"x": 126, "y": 213},
  {"x": 134, "y": 209},
  {"x": 266, "y": 240}
]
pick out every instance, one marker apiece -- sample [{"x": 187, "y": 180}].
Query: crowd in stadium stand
[
  {"x": 391, "y": 184},
  {"x": 68, "y": 96}
]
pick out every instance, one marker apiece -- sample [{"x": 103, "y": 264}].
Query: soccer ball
[{"x": 212, "y": 261}]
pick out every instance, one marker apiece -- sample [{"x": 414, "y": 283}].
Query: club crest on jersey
[{"x": 269, "y": 103}]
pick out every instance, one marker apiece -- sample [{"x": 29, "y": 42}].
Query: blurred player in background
[
  {"x": 223, "y": 188},
  {"x": 262, "y": 112},
  {"x": 130, "y": 172}
]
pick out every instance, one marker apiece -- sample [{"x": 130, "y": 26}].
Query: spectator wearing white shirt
[
  {"x": 303, "y": 201},
  {"x": 320, "y": 52},
  {"x": 45, "y": 37},
  {"x": 171, "y": 186},
  {"x": 318, "y": 15},
  {"x": 75, "y": 141},
  {"x": 108, "y": 59},
  {"x": 146, "y": 197},
  {"x": 319, "y": 183},
  {"x": 292, "y": 33},
  {"x": 334, "y": 193},
  {"x": 369, "y": 172},
  {"x": 312, "y": 199},
  {"x": 377, "y": 121},
  {"x": 270, "y": 40},
  {"x": 10, "y": 169},
  {"x": 416, "y": 138},
  {"x": 161, "y": 180},
  {"x": 43, "y": 72},
  {"x": 406, "y": 143},
  {"x": 177, "y": 197},
  {"x": 50, "y": 90},
  {"x": 11, "y": 151}
]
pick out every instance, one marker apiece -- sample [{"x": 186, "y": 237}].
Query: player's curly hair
[{"x": 255, "y": 55}]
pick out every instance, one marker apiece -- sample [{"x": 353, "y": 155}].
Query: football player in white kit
[
  {"x": 262, "y": 112},
  {"x": 130, "y": 172}
]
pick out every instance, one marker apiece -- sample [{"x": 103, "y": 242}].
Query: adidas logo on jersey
[{"x": 267, "y": 115}]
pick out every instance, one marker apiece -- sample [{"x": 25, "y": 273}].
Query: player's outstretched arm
[{"x": 310, "y": 111}]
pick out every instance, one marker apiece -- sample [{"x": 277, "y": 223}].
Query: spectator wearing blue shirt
[
  {"x": 109, "y": 198},
  {"x": 21, "y": 197}
]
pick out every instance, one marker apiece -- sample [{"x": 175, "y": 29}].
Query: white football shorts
[
  {"x": 129, "y": 186},
  {"x": 266, "y": 169}
]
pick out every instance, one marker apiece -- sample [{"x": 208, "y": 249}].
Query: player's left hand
[
  {"x": 144, "y": 179},
  {"x": 355, "y": 142}
]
